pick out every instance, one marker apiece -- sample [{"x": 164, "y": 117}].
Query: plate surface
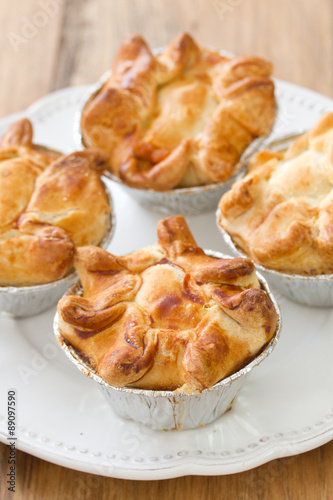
[{"x": 285, "y": 407}]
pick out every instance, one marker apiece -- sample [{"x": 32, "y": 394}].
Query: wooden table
[{"x": 46, "y": 45}]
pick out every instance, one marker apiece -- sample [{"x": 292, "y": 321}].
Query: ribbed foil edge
[
  {"x": 314, "y": 291},
  {"x": 165, "y": 410},
  {"x": 28, "y": 300}
]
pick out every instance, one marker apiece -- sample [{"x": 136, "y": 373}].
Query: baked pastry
[
  {"x": 166, "y": 317},
  {"x": 180, "y": 118},
  {"x": 49, "y": 204},
  {"x": 281, "y": 213}
]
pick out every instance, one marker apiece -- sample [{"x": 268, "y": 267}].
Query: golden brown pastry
[
  {"x": 166, "y": 317},
  {"x": 181, "y": 118},
  {"x": 48, "y": 205},
  {"x": 281, "y": 213}
]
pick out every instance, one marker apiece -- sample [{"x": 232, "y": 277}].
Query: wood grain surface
[{"x": 49, "y": 44}]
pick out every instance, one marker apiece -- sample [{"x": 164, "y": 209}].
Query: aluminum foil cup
[
  {"x": 185, "y": 201},
  {"x": 165, "y": 410},
  {"x": 316, "y": 291},
  {"x": 23, "y": 301},
  {"x": 28, "y": 300}
]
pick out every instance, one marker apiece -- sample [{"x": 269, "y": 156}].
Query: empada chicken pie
[
  {"x": 49, "y": 204},
  {"x": 281, "y": 213},
  {"x": 181, "y": 118},
  {"x": 167, "y": 317}
]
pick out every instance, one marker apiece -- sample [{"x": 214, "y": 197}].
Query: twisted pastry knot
[
  {"x": 181, "y": 118},
  {"x": 166, "y": 317},
  {"x": 49, "y": 204}
]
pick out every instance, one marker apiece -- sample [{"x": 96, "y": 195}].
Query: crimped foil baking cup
[
  {"x": 316, "y": 291},
  {"x": 29, "y": 300},
  {"x": 165, "y": 410},
  {"x": 184, "y": 201}
]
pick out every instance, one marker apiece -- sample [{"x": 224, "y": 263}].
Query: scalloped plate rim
[{"x": 188, "y": 465}]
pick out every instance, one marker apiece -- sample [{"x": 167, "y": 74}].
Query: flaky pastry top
[
  {"x": 48, "y": 204},
  {"x": 180, "y": 118},
  {"x": 166, "y": 317},
  {"x": 281, "y": 213}
]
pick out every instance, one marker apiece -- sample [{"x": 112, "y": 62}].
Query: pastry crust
[
  {"x": 49, "y": 204},
  {"x": 166, "y": 317},
  {"x": 281, "y": 213},
  {"x": 181, "y": 118}
]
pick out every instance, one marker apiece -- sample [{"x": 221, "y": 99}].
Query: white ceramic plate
[{"x": 285, "y": 408}]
